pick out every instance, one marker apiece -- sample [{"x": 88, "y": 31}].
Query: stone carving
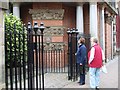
[
  {"x": 47, "y": 14},
  {"x": 108, "y": 19},
  {"x": 54, "y": 31},
  {"x": 54, "y": 46},
  {"x": 48, "y": 34}
]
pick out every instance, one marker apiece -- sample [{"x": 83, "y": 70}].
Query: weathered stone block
[{"x": 47, "y": 14}]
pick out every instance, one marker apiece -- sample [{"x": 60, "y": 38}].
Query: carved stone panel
[
  {"x": 54, "y": 46},
  {"x": 108, "y": 19},
  {"x": 54, "y": 31},
  {"x": 47, "y": 14}
]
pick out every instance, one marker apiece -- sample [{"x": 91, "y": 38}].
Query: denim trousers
[
  {"x": 81, "y": 73},
  {"x": 94, "y": 74}
]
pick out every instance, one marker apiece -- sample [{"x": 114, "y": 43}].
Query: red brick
[{"x": 57, "y": 39}]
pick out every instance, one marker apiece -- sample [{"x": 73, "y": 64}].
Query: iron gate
[
  {"x": 73, "y": 37},
  {"x": 23, "y": 59},
  {"x": 72, "y": 48},
  {"x": 26, "y": 61}
]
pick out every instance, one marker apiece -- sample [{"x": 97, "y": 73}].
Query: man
[
  {"x": 95, "y": 58},
  {"x": 81, "y": 60}
]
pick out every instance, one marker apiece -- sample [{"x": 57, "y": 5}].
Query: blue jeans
[{"x": 94, "y": 74}]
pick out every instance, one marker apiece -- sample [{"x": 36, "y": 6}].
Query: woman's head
[{"x": 81, "y": 40}]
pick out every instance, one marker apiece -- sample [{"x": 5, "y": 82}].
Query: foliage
[{"x": 15, "y": 39}]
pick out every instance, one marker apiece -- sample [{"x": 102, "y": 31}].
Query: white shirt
[{"x": 92, "y": 53}]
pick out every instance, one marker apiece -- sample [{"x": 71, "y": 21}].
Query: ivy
[{"x": 15, "y": 31}]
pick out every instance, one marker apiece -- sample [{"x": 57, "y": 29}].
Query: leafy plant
[{"x": 15, "y": 39}]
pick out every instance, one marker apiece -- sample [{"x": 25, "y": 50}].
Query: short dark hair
[{"x": 82, "y": 40}]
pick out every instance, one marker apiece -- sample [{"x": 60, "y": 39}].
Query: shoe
[
  {"x": 78, "y": 82},
  {"x": 82, "y": 83},
  {"x": 97, "y": 88}
]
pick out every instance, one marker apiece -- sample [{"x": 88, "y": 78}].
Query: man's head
[{"x": 94, "y": 40}]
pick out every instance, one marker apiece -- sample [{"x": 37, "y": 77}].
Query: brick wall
[
  {"x": 69, "y": 19},
  {"x": 108, "y": 39},
  {"x": 118, "y": 31}
]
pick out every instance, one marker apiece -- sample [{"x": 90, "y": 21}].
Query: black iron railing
[{"x": 26, "y": 61}]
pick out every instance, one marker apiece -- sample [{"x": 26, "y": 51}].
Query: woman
[{"x": 81, "y": 60}]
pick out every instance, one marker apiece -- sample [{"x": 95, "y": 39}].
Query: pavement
[
  {"x": 109, "y": 80},
  {"x": 60, "y": 80}
]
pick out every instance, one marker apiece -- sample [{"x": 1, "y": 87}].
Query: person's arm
[
  {"x": 78, "y": 50},
  {"x": 92, "y": 53}
]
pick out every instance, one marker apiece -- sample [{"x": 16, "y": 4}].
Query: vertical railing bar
[
  {"x": 6, "y": 60},
  {"x": 36, "y": 61},
  {"x": 69, "y": 42},
  {"x": 59, "y": 60},
  {"x": 31, "y": 62},
  {"x": 51, "y": 60},
  {"x": 64, "y": 60},
  {"x": 24, "y": 65},
  {"x": 11, "y": 60},
  {"x": 46, "y": 60},
  {"x": 54, "y": 60},
  {"x": 75, "y": 58},
  {"x": 42, "y": 28},
  {"x": 15, "y": 59},
  {"x": 39, "y": 66},
  {"x": 28, "y": 52},
  {"x": 71, "y": 60},
  {"x": 20, "y": 61}
]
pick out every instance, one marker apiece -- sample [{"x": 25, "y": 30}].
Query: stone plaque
[{"x": 47, "y": 14}]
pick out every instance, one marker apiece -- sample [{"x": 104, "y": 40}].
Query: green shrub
[{"x": 21, "y": 39}]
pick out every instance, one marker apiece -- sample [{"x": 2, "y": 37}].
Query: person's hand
[
  {"x": 88, "y": 62},
  {"x": 80, "y": 64},
  {"x": 75, "y": 53}
]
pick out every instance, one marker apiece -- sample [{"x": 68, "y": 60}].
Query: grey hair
[{"x": 95, "y": 40}]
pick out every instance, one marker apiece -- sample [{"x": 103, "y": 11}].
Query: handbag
[{"x": 104, "y": 69}]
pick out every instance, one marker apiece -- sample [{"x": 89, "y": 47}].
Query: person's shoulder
[{"x": 83, "y": 46}]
